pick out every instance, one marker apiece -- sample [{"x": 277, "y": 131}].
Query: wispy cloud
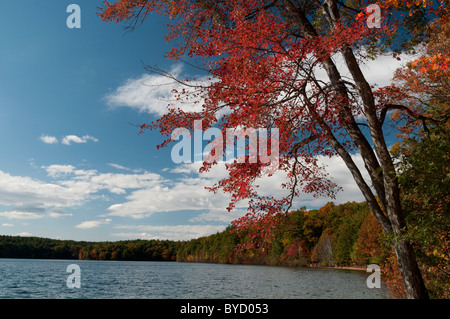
[
  {"x": 69, "y": 139},
  {"x": 171, "y": 232},
  {"x": 93, "y": 223},
  {"x": 117, "y": 166},
  {"x": 219, "y": 216},
  {"x": 24, "y": 234},
  {"x": 58, "y": 170},
  {"x": 7, "y": 225},
  {"x": 152, "y": 93},
  {"x": 47, "y": 139},
  {"x": 20, "y": 215},
  {"x": 58, "y": 212},
  {"x": 123, "y": 168}
]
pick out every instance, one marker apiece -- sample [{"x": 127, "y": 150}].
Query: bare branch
[{"x": 388, "y": 107}]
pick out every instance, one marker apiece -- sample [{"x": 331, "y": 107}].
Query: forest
[
  {"x": 345, "y": 234},
  {"x": 334, "y": 235},
  {"x": 44, "y": 248}
]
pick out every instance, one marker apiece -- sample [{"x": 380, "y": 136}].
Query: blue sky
[{"x": 72, "y": 165}]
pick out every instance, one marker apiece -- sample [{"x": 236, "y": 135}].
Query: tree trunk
[
  {"x": 412, "y": 277},
  {"x": 385, "y": 182},
  {"x": 415, "y": 287}
]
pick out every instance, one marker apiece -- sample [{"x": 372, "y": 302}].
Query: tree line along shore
[{"x": 343, "y": 235}]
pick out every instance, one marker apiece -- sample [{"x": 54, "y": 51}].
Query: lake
[{"x": 48, "y": 279}]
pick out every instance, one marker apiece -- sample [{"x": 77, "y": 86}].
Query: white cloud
[
  {"x": 219, "y": 215},
  {"x": 30, "y": 198},
  {"x": 58, "y": 212},
  {"x": 68, "y": 139},
  {"x": 114, "y": 183},
  {"x": 22, "y": 191},
  {"x": 72, "y": 138},
  {"x": 48, "y": 139},
  {"x": 147, "y": 193},
  {"x": 24, "y": 234},
  {"x": 120, "y": 167},
  {"x": 7, "y": 225},
  {"x": 338, "y": 173},
  {"x": 178, "y": 197},
  {"x": 175, "y": 232},
  {"x": 379, "y": 71},
  {"x": 59, "y": 170},
  {"x": 20, "y": 215},
  {"x": 152, "y": 93},
  {"x": 183, "y": 193},
  {"x": 117, "y": 166},
  {"x": 93, "y": 223},
  {"x": 188, "y": 193}
]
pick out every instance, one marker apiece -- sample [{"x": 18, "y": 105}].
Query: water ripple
[{"x": 45, "y": 279}]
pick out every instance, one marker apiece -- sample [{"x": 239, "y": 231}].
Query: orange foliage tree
[
  {"x": 422, "y": 153},
  {"x": 369, "y": 246}
]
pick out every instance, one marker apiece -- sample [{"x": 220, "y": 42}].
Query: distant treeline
[
  {"x": 44, "y": 248},
  {"x": 344, "y": 234}
]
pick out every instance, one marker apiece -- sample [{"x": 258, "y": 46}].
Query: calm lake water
[{"x": 45, "y": 279}]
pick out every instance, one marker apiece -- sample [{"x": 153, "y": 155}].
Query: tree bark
[
  {"x": 385, "y": 183},
  {"x": 415, "y": 287}
]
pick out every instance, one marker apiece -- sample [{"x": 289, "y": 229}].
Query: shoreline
[{"x": 358, "y": 268}]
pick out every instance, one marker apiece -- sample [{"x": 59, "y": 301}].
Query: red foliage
[{"x": 264, "y": 63}]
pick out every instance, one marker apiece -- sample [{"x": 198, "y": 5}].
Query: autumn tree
[
  {"x": 265, "y": 60},
  {"x": 369, "y": 248},
  {"x": 422, "y": 156}
]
